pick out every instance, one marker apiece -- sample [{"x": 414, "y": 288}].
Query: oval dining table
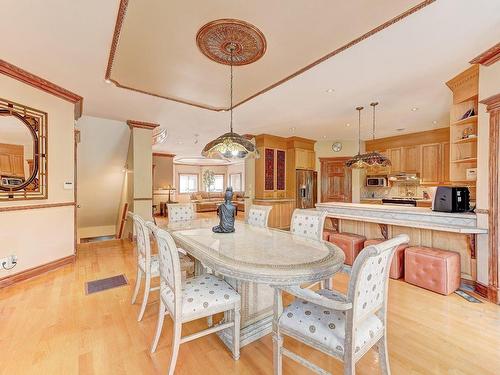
[{"x": 253, "y": 260}]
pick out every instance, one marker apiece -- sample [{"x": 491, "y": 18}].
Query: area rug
[{"x": 105, "y": 284}]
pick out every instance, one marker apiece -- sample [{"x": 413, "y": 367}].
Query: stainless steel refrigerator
[{"x": 307, "y": 188}]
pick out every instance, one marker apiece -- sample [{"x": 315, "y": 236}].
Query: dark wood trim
[
  {"x": 143, "y": 199},
  {"x": 493, "y": 108},
  {"x": 142, "y": 124},
  {"x": 488, "y": 57},
  {"x": 481, "y": 289},
  {"x": 122, "y": 10},
  {"x": 163, "y": 154},
  {"x": 36, "y": 271},
  {"x": 36, "y": 206},
  {"x": 42, "y": 84}
]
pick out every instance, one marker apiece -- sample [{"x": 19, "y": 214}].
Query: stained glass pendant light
[
  {"x": 230, "y": 145},
  {"x": 371, "y": 159}
]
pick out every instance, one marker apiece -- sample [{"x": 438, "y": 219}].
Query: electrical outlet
[{"x": 8, "y": 262}]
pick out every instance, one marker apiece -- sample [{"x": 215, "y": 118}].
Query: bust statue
[{"x": 226, "y": 213}]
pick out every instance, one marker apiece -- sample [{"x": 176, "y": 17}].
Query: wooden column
[{"x": 493, "y": 108}]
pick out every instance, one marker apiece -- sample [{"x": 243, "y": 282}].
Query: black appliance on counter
[{"x": 451, "y": 199}]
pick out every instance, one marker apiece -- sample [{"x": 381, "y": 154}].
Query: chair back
[
  {"x": 141, "y": 232},
  {"x": 308, "y": 223},
  {"x": 170, "y": 267},
  {"x": 369, "y": 279},
  {"x": 180, "y": 211},
  {"x": 258, "y": 216}
]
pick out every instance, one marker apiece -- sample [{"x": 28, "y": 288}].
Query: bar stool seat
[
  {"x": 433, "y": 269},
  {"x": 398, "y": 261},
  {"x": 350, "y": 243}
]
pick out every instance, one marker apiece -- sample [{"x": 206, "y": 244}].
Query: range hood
[{"x": 404, "y": 177}]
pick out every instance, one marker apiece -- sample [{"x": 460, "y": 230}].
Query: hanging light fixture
[
  {"x": 371, "y": 159},
  {"x": 230, "y": 145},
  {"x": 356, "y": 161}
]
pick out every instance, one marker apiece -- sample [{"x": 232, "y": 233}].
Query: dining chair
[
  {"x": 343, "y": 326},
  {"x": 258, "y": 215},
  {"x": 180, "y": 211},
  {"x": 196, "y": 298},
  {"x": 147, "y": 264},
  {"x": 308, "y": 223}
]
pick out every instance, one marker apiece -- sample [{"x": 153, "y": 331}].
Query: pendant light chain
[
  {"x": 359, "y": 109},
  {"x": 374, "y": 104},
  {"x": 231, "y": 108}
]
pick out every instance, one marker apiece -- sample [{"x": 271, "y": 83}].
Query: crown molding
[
  {"x": 122, "y": 10},
  {"x": 28, "y": 78},
  {"x": 492, "y": 103},
  {"x": 488, "y": 57},
  {"x": 142, "y": 124}
]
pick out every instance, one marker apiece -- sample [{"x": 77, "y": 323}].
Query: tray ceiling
[{"x": 154, "y": 49}]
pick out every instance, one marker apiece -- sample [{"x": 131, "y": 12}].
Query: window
[
  {"x": 235, "y": 181},
  {"x": 218, "y": 185},
  {"x": 188, "y": 183}
]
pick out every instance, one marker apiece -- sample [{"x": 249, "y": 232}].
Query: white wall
[
  {"x": 102, "y": 155},
  {"x": 43, "y": 235},
  {"x": 323, "y": 149}
]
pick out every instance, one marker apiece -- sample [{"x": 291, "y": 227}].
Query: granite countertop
[{"x": 415, "y": 217}]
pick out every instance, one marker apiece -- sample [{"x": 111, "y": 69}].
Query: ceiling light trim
[{"x": 122, "y": 10}]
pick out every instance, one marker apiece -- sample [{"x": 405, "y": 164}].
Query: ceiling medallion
[{"x": 216, "y": 39}]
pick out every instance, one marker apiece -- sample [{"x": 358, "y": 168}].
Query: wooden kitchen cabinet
[
  {"x": 395, "y": 158},
  {"x": 12, "y": 160},
  {"x": 410, "y": 159},
  {"x": 305, "y": 159},
  {"x": 445, "y": 162},
  {"x": 431, "y": 164}
]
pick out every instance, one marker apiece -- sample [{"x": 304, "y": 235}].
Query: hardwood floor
[{"x": 49, "y": 326}]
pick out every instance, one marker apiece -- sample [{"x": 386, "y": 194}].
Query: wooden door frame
[
  {"x": 330, "y": 159},
  {"x": 493, "y": 108}
]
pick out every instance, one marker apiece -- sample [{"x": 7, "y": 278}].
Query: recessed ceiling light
[
  {"x": 324, "y": 137},
  {"x": 330, "y": 91},
  {"x": 414, "y": 109},
  {"x": 400, "y": 129},
  {"x": 179, "y": 142},
  {"x": 434, "y": 122},
  {"x": 347, "y": 124},
  {"x": 292, "y": 129},
  {"x": 107, "y": 80}
]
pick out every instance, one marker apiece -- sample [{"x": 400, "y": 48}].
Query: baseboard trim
[
  {"x": 35, "y": 271},
  {"x": 481, "y": 289}
]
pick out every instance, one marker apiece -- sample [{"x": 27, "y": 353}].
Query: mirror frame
[{"x": 36, "y": 122}]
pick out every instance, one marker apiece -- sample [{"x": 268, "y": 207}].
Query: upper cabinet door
[
  {"x": 410, "y": 159},
  {"x": 395, "y": 157},
  {"x": 431, "y": 164}
]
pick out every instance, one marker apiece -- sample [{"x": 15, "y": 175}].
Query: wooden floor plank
[{"x": 49, "y": 326}]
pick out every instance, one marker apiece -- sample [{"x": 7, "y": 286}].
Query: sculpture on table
[{"x": 226, "y": 212}]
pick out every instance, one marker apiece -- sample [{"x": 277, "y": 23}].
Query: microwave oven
[
  {"x": 376, "y": 181},
  {"x": 12, "y": 181}
]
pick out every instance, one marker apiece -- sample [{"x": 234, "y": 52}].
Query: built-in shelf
[
  {"x": 465, "y": 140},
  {"x": 467, "y": 160},
  {"x": 465, "y": 121}
]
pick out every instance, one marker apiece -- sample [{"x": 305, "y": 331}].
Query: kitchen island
[{"x": 449, "y": 231}]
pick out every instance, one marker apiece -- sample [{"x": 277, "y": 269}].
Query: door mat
[
  {"x": 467, "y": 296},
  {"x": 105, "y": 284}
]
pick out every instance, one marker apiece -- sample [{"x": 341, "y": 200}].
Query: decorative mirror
[{"x": 23, "y": 152}]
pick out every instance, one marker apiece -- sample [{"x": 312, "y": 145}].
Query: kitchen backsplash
[{"x": 398, "y": 189}]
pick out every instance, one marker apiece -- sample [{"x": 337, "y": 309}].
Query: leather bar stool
[
  {"x": 350, "y": 243},
  {"x": 433, "y": 269},
  {"x": 398, "y": 261}
]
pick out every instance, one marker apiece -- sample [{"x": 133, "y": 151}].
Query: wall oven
[{"x": 376, "y": 181}]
